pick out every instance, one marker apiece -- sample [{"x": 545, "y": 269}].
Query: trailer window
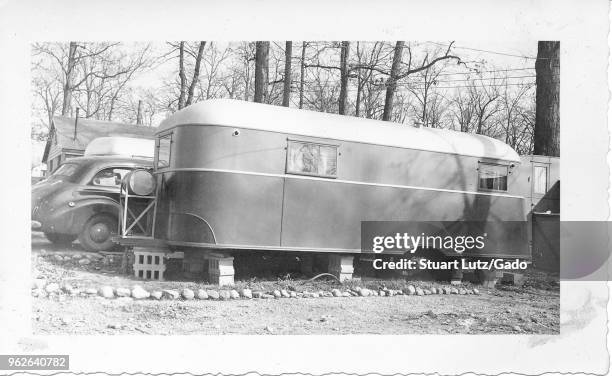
[
  {"x": 163, "y": 151},
  {"x": 307, "y": 158},
  {"x": 492, "y": 177},
  {"x": 540, "y": 181}
]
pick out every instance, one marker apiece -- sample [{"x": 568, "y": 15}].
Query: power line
[
  {"x": 478, "y": 78},
  {"x": 405, "y": 85},
  {"x": 487, "y": 71},
  {"x": 487, "y": 51},
  {"x": 460, "y": 86}
]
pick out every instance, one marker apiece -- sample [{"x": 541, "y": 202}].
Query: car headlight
[{"x": 71, "y": 204}]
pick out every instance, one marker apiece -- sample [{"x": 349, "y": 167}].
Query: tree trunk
[
  {"x": 358, "y": 99},
  {"x": 183, "y": 79},
  {"x": 139, "y": 113},
  {"x": 302, "y": 66},
  {"x": 344, "y": 53},
  {"x": 67, "y": 103},
  {"x": 392, "y": 81},
  {"x": 546, "y": 132},
  {"x": 287, "y": 83},
  {"x": 261, "y": 71},
  {"x": 196, "y": 74}
]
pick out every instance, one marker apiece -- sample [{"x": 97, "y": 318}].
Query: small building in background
[{"x": 69, "y": 137}]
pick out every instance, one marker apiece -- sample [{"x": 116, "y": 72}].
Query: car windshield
[{"x": 66, "y": 170}]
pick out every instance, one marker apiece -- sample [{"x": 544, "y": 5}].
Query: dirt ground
[{"x": 532, "y": 308}]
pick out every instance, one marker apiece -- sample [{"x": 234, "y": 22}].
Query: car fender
[{"x": 83, "y": 210}]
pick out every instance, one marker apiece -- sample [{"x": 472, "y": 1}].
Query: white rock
[
  {"x": 336, "y": 293},
  {"x": 140, "y": 293},
  {"x": 187, "y": 294},
  {"x": 84, "y": 261},
  {"x": 91, "y": 291},
  {"x": 292, "y": 294},
  {"x": 170, "y": 294},
  {"x": 246, "y": 293},
  {"x": 364, "y": 292},
  {"x": 122, "y": 291},
  {"x": 285, "y": 294},
  {"x": 234, "y": 294},
  {"x": 224, "y": 295},
  {"x": 106, "y": 292},
  {"x": 276, "y": 293},
  {"x": 52, "y": 287},
  {"x": 201, "y": 294},
  {"x": 213, "y": 294},
  {"x": 410, "y": 290},
  {"x": 156, "y": 295},
  {"x": 39, "y": 283}
]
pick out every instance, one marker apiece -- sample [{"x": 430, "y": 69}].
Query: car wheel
[
  {"x": 98, "y": 232},
  {"x": 60, "y": 239}
]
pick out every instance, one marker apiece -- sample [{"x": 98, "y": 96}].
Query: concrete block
[
  {"x": 341, "y": 266},
  {"x": 221, "y": 270}
]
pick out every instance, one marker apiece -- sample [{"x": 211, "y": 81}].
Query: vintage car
[
  {"x": 81, "y": 198},
  {"x": 237, "y": 176}
]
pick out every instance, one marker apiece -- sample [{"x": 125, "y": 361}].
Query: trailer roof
[{"x": 242, "y": 114}]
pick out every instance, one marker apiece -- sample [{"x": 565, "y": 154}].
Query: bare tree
[
  {"x": 546, "y": 133},
  {"x": 261, "y": 71},
  {"x": 429, "y": 102},
  {"x": 463, "y": 110},
  {"x": 365, "y": 76},
  {"x": 139, "y": 113},
  {"x": 483, "y": 95},
  {"x": 68, "y": 82},
  {"x": 396, "y": 72},
  {"x": 302, "y": 71},
  {"x": 94, "y": 75},
  {"x": 187, "y": 88},
  {"x": 212, "y": 82},
  {"x": 392, "y": 81},
  {"x": 344, "y": 76},
  {"x": 196, "y": 74},
  {"x": 287, "y": 78}
]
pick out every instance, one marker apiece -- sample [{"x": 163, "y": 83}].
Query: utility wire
[
  {"x": 488, "y": 51},
  {"x": 476, "y": 78}
]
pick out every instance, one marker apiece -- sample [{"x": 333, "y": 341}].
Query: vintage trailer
[{"x": 237, "y": 176}]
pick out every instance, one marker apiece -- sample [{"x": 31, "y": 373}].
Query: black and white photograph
[
  {"x": 232, "y": 188},
  {"x": 220, "y": 188}
]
